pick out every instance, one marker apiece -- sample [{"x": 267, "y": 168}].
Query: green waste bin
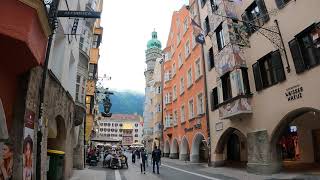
[{"x": 56, "y": 165}]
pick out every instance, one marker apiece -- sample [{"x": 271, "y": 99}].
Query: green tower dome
[{"x": 154, "y": 42}]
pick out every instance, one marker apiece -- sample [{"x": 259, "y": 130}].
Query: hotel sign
[
  {"x": 294, "y": 92},
  {"x": 81, "y": 14}
]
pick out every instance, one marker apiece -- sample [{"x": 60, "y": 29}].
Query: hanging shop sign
[
  {"x": 81, "y": 14},
  {"x": 294, "y": 92}
]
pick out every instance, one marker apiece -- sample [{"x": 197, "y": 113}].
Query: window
[
  {"x": 214, "y": 99},
  {"x": 174, "y": 92},
  {"x": 168, "y": 120},
  {"x": 187, "y": 48},
  {"x": 167, "y": 98},
  {"x": 257, "y": 14},
  {"x": 183, "y": 118},
  {"x": 178, "y": 38},
  {"x": 203, "y": 2},
  {"x": 136, "y": 124},
  {"x": 200, "y": 109},
  {"x": 158, "y": 89},
  {"x": 93, "y": 71},
  {"x": 268, "y": 70},
  {"x": 181, "y": 85},
  {"x": 282, "y": 3},
  {"x": 191, "y": 110},
  {"x": 175, "y": 118},
  {"x": 185, "y": 25},
  {"x": 198, "y": 69},
  {"x": 158, "y": 108},
  {"x": 136, "y": 135},
  {"x": 180, "y": 61},
  {"x": 305, "y": 48},
  {"x": 189, "y": 78},
  {"x": 226, "y": 87},
  {"x": 211, "y": 58},
  {"x": 220, "y": 37},
  {"x": 194, "y": 43},
  {"x": 206, "y": 25},
  {"x": 214, "y": 5},
  {"x": 136, "y": 130},
  {"x": 173, "y": 69},
  {"x": 167, "y": 76}
]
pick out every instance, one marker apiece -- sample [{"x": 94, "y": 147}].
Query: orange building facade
[{"x": 185, "y": 132}]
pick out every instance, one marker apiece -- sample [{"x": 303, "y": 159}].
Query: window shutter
[
  {"x": 296, "y": 56},
  {"x": 280, "y": 4},
  {"x": 263, "y": 9},
  {"x": 220, "y": 92},
  {"x": 257, "y": 76},
  {"x": 214, "y": 99},
  {"x": 245, "y": 79},
  {"x": 245, "y": 18},
  {"x": 277, "y": 66}
]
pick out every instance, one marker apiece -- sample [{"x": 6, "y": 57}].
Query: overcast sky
[{"x": 127, "y": 26}]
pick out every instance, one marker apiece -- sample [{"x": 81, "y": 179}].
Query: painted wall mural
[
  {"x": 28, "y": 145},
  {"x": 238, "y": 106}
]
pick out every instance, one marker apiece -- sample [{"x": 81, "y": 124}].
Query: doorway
[
  {"x": 233, "y": 148},
  {"x": 316, "y": 144}
]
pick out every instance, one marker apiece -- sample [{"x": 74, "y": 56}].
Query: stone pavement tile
[{"x": 88, "y": 174}]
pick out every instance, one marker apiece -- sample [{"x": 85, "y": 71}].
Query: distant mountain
[{"x": 126, "y": 102}]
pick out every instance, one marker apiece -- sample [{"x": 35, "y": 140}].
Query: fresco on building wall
[
  {"x": 6, "y": 148},
  {"x": 235, "y": 107},
  {"x": 28, "y": 145}
]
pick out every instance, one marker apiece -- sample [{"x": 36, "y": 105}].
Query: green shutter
[
  {"x": 297, "y": 56},
  {"x": 263, "y": 9},
  {"x": 257, "y": 76},
  {"x": 277, "y": 66}
]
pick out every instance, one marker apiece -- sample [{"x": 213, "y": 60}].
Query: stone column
[
  {"x": 174, "y": 155},
  {"x": 217, "y": 160},
  {"x": 262, "y": 158},
  {"x": 194, "y": 158},
  {"x": 184, "y": 157}
]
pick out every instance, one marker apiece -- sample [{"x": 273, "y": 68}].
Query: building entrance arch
[
  {"x": 295, "y": 141},
  {"x": 174, "y": 153},
  {"x": 232, "y": 146},
  {"x": 184, "y": 150}
]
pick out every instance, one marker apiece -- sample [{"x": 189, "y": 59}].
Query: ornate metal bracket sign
[{"x": 79, "y": 14}]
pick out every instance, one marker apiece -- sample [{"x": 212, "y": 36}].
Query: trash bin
[{"x": 55, "y": 165}]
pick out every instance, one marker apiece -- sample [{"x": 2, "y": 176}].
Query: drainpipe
[
  {"x": 161, "y": 74},
  {"x": 206, "y": 91},
  {"x": 52, "y": 20}
]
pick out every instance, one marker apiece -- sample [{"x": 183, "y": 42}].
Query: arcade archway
[
  {"x": 166, "y": 151},
  {"x": 199, "y": 151},
  {"x": 184, "y": 150},
  {"x": 295, "y": 142},
  {"x": 174, "y": 153}
]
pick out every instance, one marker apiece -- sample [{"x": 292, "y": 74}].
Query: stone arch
[
  {"x": 174, "y": 153},
  {"x": 307, "y": 122},
  {"x": 166, "y": 150},
  {"x": 184, "y": 150},
  {"x": 57, "y": 134},
  {"x": 226, "y": 144},
  {"x": 198, "y": 142}
]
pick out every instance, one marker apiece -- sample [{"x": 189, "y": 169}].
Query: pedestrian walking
[
  {"x": 133, "y": 156},
  {"x": 143, "y": 158},
  {"x": 156, "y": 158}
]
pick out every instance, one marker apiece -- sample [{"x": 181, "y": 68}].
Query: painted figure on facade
[
  {"x": 27, "y": 158},
  {"x": 6, "y": 163}
]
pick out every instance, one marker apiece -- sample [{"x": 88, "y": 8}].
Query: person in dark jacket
[
  {"x": 143, "y": 159},
  {"x": 156, "y": 157},
  {"x": 133, "y": 156}
]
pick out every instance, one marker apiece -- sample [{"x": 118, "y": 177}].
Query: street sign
[{"x": 82, "y": 14}]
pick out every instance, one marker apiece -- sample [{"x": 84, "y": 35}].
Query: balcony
[
  {"x": 235, "y": 107},
  {"x": 94, "y": 55}
]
